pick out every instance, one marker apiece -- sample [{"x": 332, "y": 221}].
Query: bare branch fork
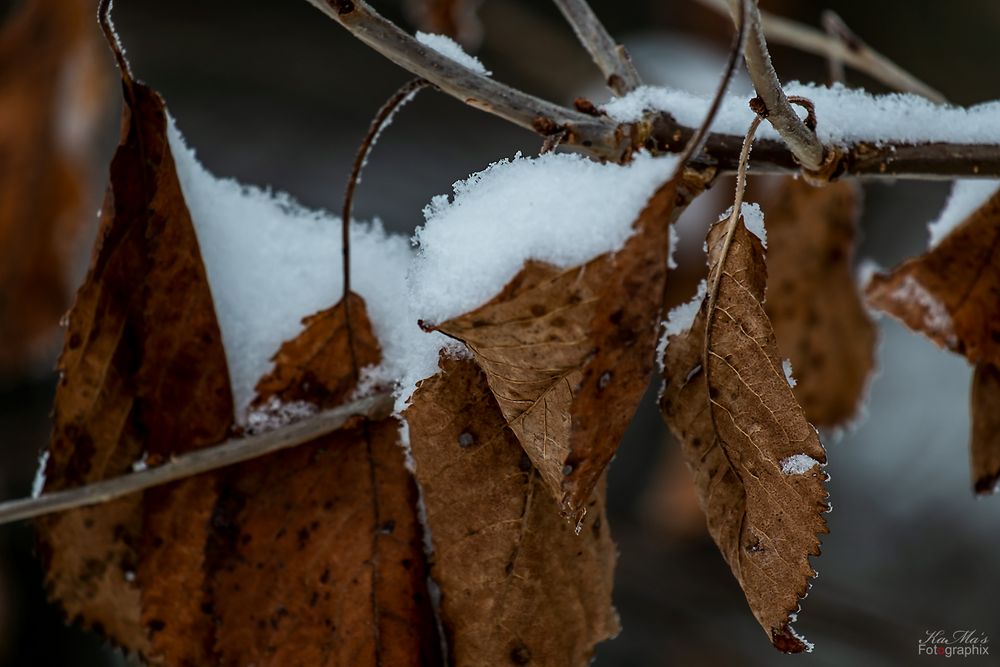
[{"x": 602, "y": 137}]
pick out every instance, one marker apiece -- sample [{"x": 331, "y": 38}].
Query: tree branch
[
  {"x": 801, "y": 140},
  {"x": 857, "y": 54},
  {"x": 603, "y": 138},
  {"x": 610, "y": 57},
  {"x": 204, "y": 460},
  {"x": 592, "y": 135}
]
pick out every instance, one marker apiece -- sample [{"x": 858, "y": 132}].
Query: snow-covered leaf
[
  {"x": 951, "y": 293},
  {"x": 568, "y": 352}
]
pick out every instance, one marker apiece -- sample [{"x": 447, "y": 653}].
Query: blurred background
[{"x": 273, "y": 93}]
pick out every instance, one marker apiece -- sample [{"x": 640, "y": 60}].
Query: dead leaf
[
  {"x": 985, "y": 429},
  {"x": 143, "y": 372},
  {"x": 316, "y": 554},
  {"x": 951, "y": 293},
  {"x": 518, "y": 586},
  {"x": 454, "y": 18},
  {"x": 568, "y": 353},
  {"x": 51, "y": 88},
  {"x": 754, "y": 456},
  {"x": 813, "y": 300}
]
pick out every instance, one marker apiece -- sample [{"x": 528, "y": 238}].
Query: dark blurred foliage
[{"x": 273, "y": 93}]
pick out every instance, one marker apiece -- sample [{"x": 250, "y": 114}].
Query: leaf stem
[{"x": 382, "y": 118}]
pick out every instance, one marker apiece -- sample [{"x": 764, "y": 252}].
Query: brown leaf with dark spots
[
  {"x": 813, "y": 300},
  {"x": 518, "y": 586},
  {"x": 985, "y": 429},
  {"x": 316, "y": 555},
  {"x": 951, "y": 294},
  {"x": 755, "y": 457},
  {"x": 52, "y": 87},
  {"x": 568, "y": 353},
  {"x": 143, "y": 373}
]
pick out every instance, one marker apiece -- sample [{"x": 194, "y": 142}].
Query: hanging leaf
[
  {"x": 143, "y": 373},
  {"x": 985, "y": 429},
  {"x": 951, "y": 293},
  {"x": 316, "y": 555},
  {"x": 568, "y": 353},
  {"x": 51, "y": 88},
  {"x": 756, "y": 459},
  {"x": 813, "y": 301},
  {"x": 518, "y": 585}
]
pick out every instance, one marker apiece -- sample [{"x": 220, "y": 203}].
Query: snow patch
[
  {"x": 38, "y": 484},
  {"x": 786, "y": 366},
  {"x": 844, "y": 115},
  {"x": 753, "y": 220},
  {"x": 270, "y": 262},
  {"x": 936, "y": 316},
  {"x": 966, "y": 196},
  {"x": 562, "y": 209},
  {"x": 449, "y": 48},
  {"x": 798, "y": 464},
  {"x": 679, "y": 319},
  {"x": 675, "y": 240}
]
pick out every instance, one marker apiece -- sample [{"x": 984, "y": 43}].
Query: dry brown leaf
[
  {"x": 455, "y": 18},
  {"x": 951, "y": 293},
  {"x": 143, "y": 373},
  {"x": 741, "y": 434},
  {"x": 813, "y": 301},
  {"x": 568, "y": 353},
  {"x": 985, "y": 429},
  {"x": 316, "y": 554},
  {"x": 51, "y": 86},
  {"x": 518, "y": 586}
]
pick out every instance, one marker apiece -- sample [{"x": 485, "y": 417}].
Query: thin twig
[
  {"x": 382, "y": 119},
  {"x": 201, "y": 461},
  {"x": 601, "y": 137},
  {"x": 697, "y": 140},
  {"x": 610, "y": 57},
  {"x": 836, "y": 29},
  {"x": 716, "y": 278},
  {"x": 597, "y": 136},
  {"x": 801, "y": 140},
  {"x": 857, "y": 55}
]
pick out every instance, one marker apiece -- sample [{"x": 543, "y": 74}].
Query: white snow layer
[
  {"x": 966, "y": 196},
  {"x": 753, "y": 220},
  {"x": 449, "y": 48},
  {"x": 679, "y": 319},
  {"x": 786, "y": 366},
  {"x": 558, "y": 208},
  {"x": 843, "y": 115},
  {"x": 271, "y": 262},
  {"x": 798, "y": 464},
  {"x": 38, "y": 484}
]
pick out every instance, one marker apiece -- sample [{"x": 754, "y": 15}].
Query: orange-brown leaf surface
[
  {"x": 568, "y": 352},
  {"x": 951, "y": 293},
  {"x": 51, "y": 86},
  {"x": 518, "y": 586},
  {"x": 316, "y": 556},
  {"x": 813, "y": 301},
  {"x": 455, "y": 18},
  {"x": 143, "y": 372},
  {"x": 755, "y": 457},
  {"x": 985, "y": 428}
]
